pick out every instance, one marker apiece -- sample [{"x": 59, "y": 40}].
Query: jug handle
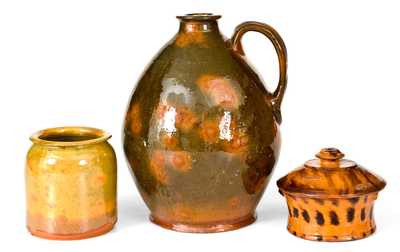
[{"x": 276, "y": 97}]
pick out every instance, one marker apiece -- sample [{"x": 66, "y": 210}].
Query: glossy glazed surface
[
  {"x": 331, "y": 175},
  {"x": 201, "y": 131},
  {"x": 330, "y": 198},
  {"x": 70, "y": 183},
  {"x": 331, "y": 219}
]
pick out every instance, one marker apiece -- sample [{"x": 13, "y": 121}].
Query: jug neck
[{"x": 199, "y": 22}]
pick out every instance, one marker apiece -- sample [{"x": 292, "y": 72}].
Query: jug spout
[
  {"x": 199, "y": 22},
  {"x": 200, "y": 30}
]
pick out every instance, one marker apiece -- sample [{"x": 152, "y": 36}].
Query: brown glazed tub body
[
  {"x": 201, "y": 131},
  {"x": 331, "y": 199}
]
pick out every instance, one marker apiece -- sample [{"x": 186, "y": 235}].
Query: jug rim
[{"x": 199, "y": 16}]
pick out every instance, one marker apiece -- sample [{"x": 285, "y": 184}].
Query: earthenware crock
[
  {"x": 330, "y": 198},
  {"x": 201, "y": 131},
  {"x": 71, "y": 176}
]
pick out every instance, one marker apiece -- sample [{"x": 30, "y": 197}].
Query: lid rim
[
  {"x": 305, "y": 192},
  {"x": 349, "y": 164}
]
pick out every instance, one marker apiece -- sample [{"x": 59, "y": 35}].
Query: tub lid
[{"x": 331, "y": 175}]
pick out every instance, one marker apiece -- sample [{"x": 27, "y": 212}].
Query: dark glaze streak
[
  {"x": 350, "y": 214},
  {"x": 362, "y": 214},
  {"x": 347, "y": 185},
  {"x": 329, "y": 180},
  {"x": 354, "y": 200},
  {"x": 319, "y": 238},
  {"x": 335, "y": 202},
  {"x": 319, "y": 201},
  {"x": 290, "y": 213},
  {"x": 320, "y": 218},
  {"x": 295, "y": 212},
  {"x": 354, "y": 178},
  {"x": 305, "y": 215},
  {"x": 334, "y": 218},
  {"x": 371, "y": 213}
]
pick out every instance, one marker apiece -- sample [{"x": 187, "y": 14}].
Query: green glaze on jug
[{"x": 201, "y": 131}]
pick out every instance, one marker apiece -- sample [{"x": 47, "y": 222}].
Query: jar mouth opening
[
  {"x": 69, "y": 136},
  {"x": 199, "y": 16}
]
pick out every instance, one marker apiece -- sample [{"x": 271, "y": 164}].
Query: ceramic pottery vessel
[
  {"x": 71, "y": 176},
  {"x": 330, "y": 198},
  {"x": 201, "y": 131}
]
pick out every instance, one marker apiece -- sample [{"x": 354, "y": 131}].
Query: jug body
[{"x": 201, "y": 131}]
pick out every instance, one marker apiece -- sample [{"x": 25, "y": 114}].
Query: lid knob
[{"x": 330, "y": 154}]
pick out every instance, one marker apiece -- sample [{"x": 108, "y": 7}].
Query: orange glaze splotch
[
  {"x": 181, "y": 161},
  {"x": 220, "y": 91},
  {"x": 161, "y": 110},
  {"x": 185, "y": 119},
  {"x": 169, "y": 141},
  {"x": 191, "y": 37},
  {"x": 209, "y": 131},
  {"x": 239, "y": 142},
  {"x": 182, "y": 212},
  {"x": 157, "y": 167},
  {"x": 135, "y": 120},
  {"x": 99, "y": 180},
  {"x": 99, "y": 207},
  {"x": 234, "y": 202}
]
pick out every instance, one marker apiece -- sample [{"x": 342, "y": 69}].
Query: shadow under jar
[{"x": 71, "y": 176}]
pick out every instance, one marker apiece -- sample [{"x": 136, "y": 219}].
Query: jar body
[
  {"x": 71, "y": 191},
  {"x": 200, "y": 136}
]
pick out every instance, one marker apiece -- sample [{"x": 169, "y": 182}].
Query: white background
[{"x": 76, "y": 62}]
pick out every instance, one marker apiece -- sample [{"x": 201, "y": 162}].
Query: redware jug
[{"x": 201, "y": 131}]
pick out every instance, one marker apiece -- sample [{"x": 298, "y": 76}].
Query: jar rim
[{"x": 69, "y": 136}]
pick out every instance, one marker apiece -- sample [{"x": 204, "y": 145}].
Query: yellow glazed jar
[{"x": 71, "y": 177}]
